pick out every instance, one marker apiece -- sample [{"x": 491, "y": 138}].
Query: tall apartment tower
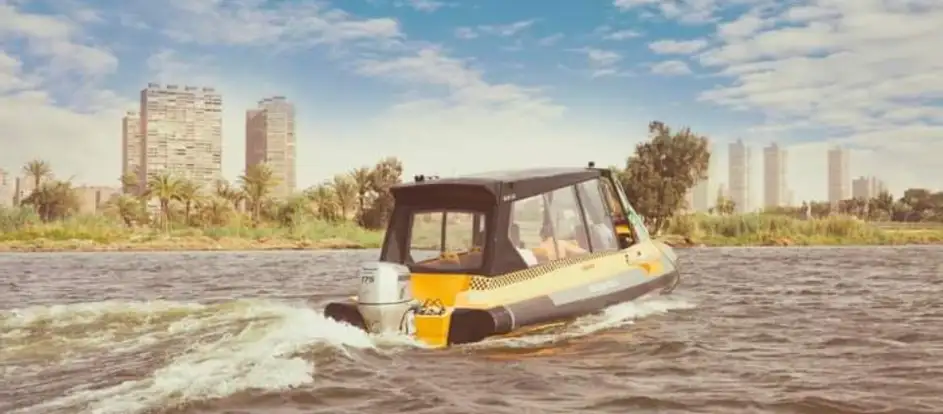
[
  {"x": 270, "y": 138},
  {"x": 7, "y": 189},
  {"x": 838, "y": 176},
  {"x": 739, "y": 179},
  {"x": 775, "y": 192},
  {"x": 182, "y": 132},
  {"x": 132, "y": 144},
  {"x": 867, "y": 187},
  {"x": 701, "y": 199}
]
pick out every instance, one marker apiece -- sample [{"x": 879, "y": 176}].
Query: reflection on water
[{"x": 749, "y": 330}]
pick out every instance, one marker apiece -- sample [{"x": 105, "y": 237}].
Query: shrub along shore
[
  {"x": 163, "y": 211},
  {"x": 96, "y": 233}
]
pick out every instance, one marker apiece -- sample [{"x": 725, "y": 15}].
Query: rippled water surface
[{"x": 805, "y": 330}]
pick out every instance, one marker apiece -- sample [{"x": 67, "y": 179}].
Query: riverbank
[
  {"x": 684, "y": 232},
  {"x": 775, "y": 230},
  {"x": 99, "y": 236}
]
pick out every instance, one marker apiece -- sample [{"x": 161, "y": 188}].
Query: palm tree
[
  {"x": 188, "y": 193},
  {"x": 323, "y": 197},
  {"x": 345, "y": 192},
  {"x": 128, "y": 208},
  {"x": 363, "y": 181},
  {"x": 164, "y": 187},
  {"x": 37, "y": 170},
  {"x": 215, "y": 211},
  {"x": 291, "y": 210},
  {"x": 53, "y": 200},
  {"x": 257, "y": 183},
  {"x": 227, "y": 192}
]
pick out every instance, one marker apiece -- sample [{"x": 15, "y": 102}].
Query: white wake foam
[
  {"x": 613, "y": 317},
  {"x": 262, "y": 355},
  {"x": 221, "y": 360}
]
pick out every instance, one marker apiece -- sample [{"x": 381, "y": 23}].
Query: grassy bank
[
  {"x": 775, "y": 230},
  {"x": 94, "y": 233},
  {"x": 97, "y": 233}
]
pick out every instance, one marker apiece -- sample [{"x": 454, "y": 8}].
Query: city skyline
[{"x": 465, "y": 88}]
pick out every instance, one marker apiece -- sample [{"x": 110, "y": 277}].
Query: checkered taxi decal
[{"x": 495, "y": 282}]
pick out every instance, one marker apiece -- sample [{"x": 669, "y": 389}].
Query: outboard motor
[{"x": 385, "y": 298}]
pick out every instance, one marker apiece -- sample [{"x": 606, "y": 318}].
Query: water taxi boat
[{"x": 496, "y": 254}]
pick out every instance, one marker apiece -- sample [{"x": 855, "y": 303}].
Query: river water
[{"x": 750, "y": 330}]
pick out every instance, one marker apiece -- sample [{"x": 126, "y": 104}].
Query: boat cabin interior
[{"x": 496, "y": 223}]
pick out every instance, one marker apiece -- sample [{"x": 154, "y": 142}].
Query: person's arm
[{"x": 572, "y": 249}]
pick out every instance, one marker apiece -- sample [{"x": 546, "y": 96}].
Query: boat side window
[
  {"x": 524, "y": 229},
  {"x": 602, "y": 234},
  {"x": 619, "y": 214},
  {"x": 563, "y": 232},
  {"x": 446, "y": 240},
  {"x": 612, "y": 198},
  {"x": 626, "y": 215}
]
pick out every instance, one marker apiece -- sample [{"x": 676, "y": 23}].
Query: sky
[{"x": 462, "y": 86}]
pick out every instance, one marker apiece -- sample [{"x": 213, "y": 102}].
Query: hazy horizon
[{"x": 461, "y": 87}]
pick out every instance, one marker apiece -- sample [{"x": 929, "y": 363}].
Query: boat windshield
[{"x": 446, "y": 240}]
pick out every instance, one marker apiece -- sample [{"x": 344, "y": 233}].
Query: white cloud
[
  {"x": 425, "y": 5},
  {"x": 32, "y": 117},
  {"x": 623, "y": 35},
  {"x": 602, "y": 57},
  {"x": 54, "y": 39},
  {"x": 501, "y": 30},
  {"x": 465, "y": 33},
  {"x": 607, "y": 32},
  {"x": 685, "y": 11},
  {"x": 288, "y": 23},
  {"x": 745, "y": 25},
  {"x": 859, "y": 69},
  {"x": 675, "y": 47},
  {"x": 486, "y": 124},
  {"x": 12, "y": 77},
  {"x": 602, "y": 63},
  {"x": 550, "y": 40},
  {"x": 671, "y": 68},
  {"x": 507, "y": 29}
]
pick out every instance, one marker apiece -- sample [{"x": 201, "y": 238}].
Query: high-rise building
[
  {"x": 270, "y": 138},
  {"x": 867, "y": 187},
  {"x": 92, "y": 199},
  {"x": 700, "y": 197},
  {"x": 7, "y": 188},
  {"x": 838, "y": 176},
  {"x": 132, "y": 144},
  {"x": 182, "y": 132},
  {"x": 739, "y": 176},
  {"x": 775, "y": 192}
]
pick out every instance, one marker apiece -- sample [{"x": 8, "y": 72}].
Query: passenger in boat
[
  {"x": 514, "y": 234},
  {"x": 604, "y": 236},
  {"x": 561, "y": 249}
]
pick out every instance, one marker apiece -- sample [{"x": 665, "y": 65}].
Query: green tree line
[
  {"x": 361, "y": 195},
  {"x": 655, "y": 177}
]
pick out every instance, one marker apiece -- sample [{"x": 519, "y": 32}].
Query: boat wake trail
[
  {"x": 615, "y": 316},
  {"x": 136, "y": 357},
  {"x": 139, "y": 356}
]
